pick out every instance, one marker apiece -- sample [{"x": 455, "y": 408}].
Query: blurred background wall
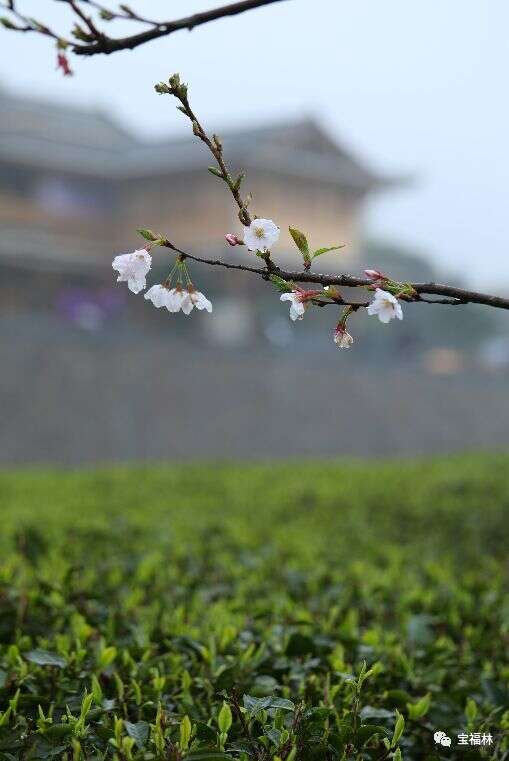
[{"x": 92, "y": 373}]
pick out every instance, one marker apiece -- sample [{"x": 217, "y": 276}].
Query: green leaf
[
  {"x": 471, "y": 710},
  {"x": 4, "y": 717},
  {"x": 398, "y": 698},
  {"x": 224, "y": 719},
  {"x": 215, "y": 171},
  {"x": 398, "y": 729},
  {"x": 44, "y": 750},
  {"x": 204, "y": 732},
  {"x": 45, "y": 658},
  {"x": 367, "y": 731},
  {"x": 282, "y": 703},
  {"x": 147, "y": 234},
  {"x": 59, "y": 730},
  {"x": 301, "y": 242},
  {"x": 264, "y": 685},
  {"x": 139, "y": 732},
  {"x": 105, "y": 658},
  {"x": 185, "y": 732},
  {"x": 254, "y": 705},
  {"x": 97, "y": 690},
  {"x": 320, "y": 251},
  {"x": 420, "y": 708},
  {"x": 280, "y": 284}
]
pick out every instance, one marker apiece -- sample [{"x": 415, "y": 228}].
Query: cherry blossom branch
[
  {"x": 454, "y": 296},
  {"x": 25, "y": 23},
  {"x": 89, "y": 40},
  {"x": 214, "y": 144},
  {"x": 409, "y": 292},
  {"x": 178, "y": 293},
  {"x": 124, "y": 12}
]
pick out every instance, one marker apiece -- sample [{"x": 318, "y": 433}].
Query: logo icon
[{"x": 442, "y": 739}]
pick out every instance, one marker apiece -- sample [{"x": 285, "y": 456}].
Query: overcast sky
[{"x": 415, "y": 88}]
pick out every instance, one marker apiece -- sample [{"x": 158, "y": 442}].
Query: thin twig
[
  {"x": 94, "y": 32},
  {"x": 96, "y": 42},
  {"x": 29, "y": 24},
  {"x": 163, "y": 29},
  {"x": 126, "y": 15},
  {"x": 456, "y": 296},
  {"x": 214, "y": 144}
]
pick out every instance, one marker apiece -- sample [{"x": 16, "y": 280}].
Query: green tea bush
[{"x": 309, "y": 611}]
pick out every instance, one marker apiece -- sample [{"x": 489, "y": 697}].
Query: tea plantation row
[{"x": 306, "y": 611}]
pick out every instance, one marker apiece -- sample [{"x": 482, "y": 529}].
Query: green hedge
[{"x": 301, "y": 611}]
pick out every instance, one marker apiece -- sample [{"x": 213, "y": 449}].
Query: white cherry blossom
[
  {"x": 159, "y": 295},
  {"x": 261, "y": 235},
  {"x": 297, "y": 305},
  {"x": 385, "y": 306},
  {"x": 193, "y": 298},
  {"x": 342, "y": 338},
  {"x": 133, "y": 269},
  {"x": 176, "y": 298}
]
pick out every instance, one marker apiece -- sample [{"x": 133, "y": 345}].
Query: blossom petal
[
  {"x": 201, "y": 302},
  {"x": 137, "y": 284},
  {"x": 187, "y": 304},
  {"x": 174, "y": 300},
  {"x": 158, "y": 295}
]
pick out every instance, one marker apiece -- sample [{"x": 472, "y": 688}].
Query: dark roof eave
[
  {"x": 395, "y": 182},
  {"x": 361, "y": 181}
]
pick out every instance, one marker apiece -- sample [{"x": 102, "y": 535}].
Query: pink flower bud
[
  {"x": 342, "y": 338},
  {"x": 375, "y": 275},
  {"x": 63, "y": 64},
  {"x": 306, "y": 295},
  {"x": 232, "y": 240}
]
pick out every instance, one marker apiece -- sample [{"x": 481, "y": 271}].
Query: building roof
[
  {"x": 296, "y": 149},
  {"x": 37, "y": 132},
  {"x": 41, "y": 133}
]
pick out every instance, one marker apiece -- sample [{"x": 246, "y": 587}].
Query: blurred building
[
  {"x": 91, "y": 372},
  {"x": 74, "y": 186}
]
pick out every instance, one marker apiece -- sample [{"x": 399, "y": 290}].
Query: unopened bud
[
  {"x": 375, "y": 275},
  {"x": 7, "y": 23},
  {"x": 333, "y": 293},
  {"x": 63, "y": 64},
  {"x": 174, "y": 81},
  {"x": 232, "y": 240}
]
